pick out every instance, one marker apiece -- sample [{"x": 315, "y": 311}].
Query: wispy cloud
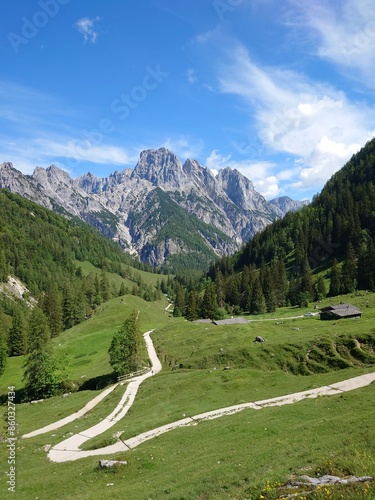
[
  {"x": 260, "y": 173},
  {"x": 85, "y": 26},
  {"x": 83, "y": 151},
  {"x": 310, "y": 120},
  {"x": 191, "y": 76},
  {"x": 184, "y": 147},
  {"x": 344, "y": 34},
  {"x": 27, "y": 153}
]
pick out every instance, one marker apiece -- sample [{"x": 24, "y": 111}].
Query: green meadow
[{"x": 250, "y": 455}]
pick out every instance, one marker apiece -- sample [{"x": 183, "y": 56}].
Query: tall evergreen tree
[
  {"x": 39, "y": 332},
  {"x": 122, "y": 290},
  {"x": 366, "y": 266},
  {"x": 306, "y": 284},
  {"x": 209, "y": 305},
  {"x": 51, "y": 306},
  {"x": 105, "y": 288},
  {"x": 294, "y": 291},
  {"x": 268, "y": 287},
  {"x": 220, "y": 288},
  {"x": 192, "y": 307},
  {"x": 43, "y": 373},
  {"x": 349, "y": 271},
  {"x": 4, "y": 268},
  {"x": 280, "y": 282},
  {"x": 320, "y": 290},
  {"x": 17, "y": 339},
  {"x": 179, "y": 304},
  {"x": 73, "y": 306},
  {"x": 123, "y": 351},
  {"x": 335, "y": 284},
  {"x": 257, "y": 302}
]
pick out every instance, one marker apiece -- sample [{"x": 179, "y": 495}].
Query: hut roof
[{"x": 342, "y": 310}]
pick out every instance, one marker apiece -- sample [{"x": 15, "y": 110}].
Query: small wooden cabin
[{"x": 340, "y": 311}]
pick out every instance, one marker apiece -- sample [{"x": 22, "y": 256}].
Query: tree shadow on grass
[{"x": 99, "y": 382}]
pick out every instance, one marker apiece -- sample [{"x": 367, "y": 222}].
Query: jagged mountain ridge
[{"x": 159, "y": 209}]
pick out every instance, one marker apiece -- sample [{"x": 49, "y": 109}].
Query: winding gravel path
[{"x": 69, "y": 449}]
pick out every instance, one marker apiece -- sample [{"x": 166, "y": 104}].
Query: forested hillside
[
  {"x": 43, "y": 250},
  {"x": 327, "y": 247}
]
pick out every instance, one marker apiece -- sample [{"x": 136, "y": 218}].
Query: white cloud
[
  {"x": 84, "y": 150},
  {"x": 312, "y": 121},
  {"x": 260, "y": 173},
  {"x": 217, "y": 161},
  {"x": 191, "y": 76},
  {"x": 184, "y": 147},
  {"x": 67, "y": 153},
  {"x": 85, "y": 26},
  {"x": 345, "y": 32}
]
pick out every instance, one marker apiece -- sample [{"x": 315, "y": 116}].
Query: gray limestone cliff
[{"x": 159, "y": 210}]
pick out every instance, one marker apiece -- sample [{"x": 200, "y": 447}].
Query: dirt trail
[{"x": 69, "y": 449}]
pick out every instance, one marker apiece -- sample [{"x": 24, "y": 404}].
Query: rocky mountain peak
[
  {"x": 222, "y": 211},
  {"x": 89, "y": 182},
  {"x": 160, "y": 167},
  {"x": 241, "y": 190},
  {"x": 52, "y": 175},
  {"x": 202, "y": 177},
  {"x": 284, "y": 204},
  {"x": 8, "y": 171},
  {"x": 6, "y": 166}
]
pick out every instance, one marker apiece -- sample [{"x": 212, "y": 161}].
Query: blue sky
[{"x": 282, "y": 90}]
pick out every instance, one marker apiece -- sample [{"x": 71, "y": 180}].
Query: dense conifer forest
[
  {"x": 326, "y": 248},
  {"x": 41, "y": 249}
]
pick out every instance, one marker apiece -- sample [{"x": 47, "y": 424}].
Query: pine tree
[
  {"x": 320, "y": 290},
  {"x": 122, "y": 290},
  {"x": 294, "y": 291},
  {"x": 179, "y": 304},
  {"x": 43, "y": 373},
  {"x": 125, "y": 346},
  {"x": 306, "y": 279},
  {"x": 257, "y": 302},
  {"x": 192, "y": 307},
  {"x": 349, "y": 271},
  {"x": 268, "y": 288},
  {"x": 73, "y": 306},
  {"x": 209, "y": 303},
  {"x": 39, "y": 332},
  {"x": 335, "y": 285},
  {"x": 51, "y": 306},
  {"x": 68, "y": 308},
  {"x": 105, "y": 289},
  {"x": 17, "y": 339},
  {"x": 220, "y": 287},
  {"x": 280, "y": 282},
  {"x": 4, "y": 268}
]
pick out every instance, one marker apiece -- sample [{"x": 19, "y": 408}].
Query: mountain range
[{"x": 165, "y": 212}]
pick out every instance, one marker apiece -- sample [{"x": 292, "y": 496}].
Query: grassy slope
[
  {"x": 231, "y": 457},
  {"x": 148, "y": 278},
  {"x": 86, "y": 345}
]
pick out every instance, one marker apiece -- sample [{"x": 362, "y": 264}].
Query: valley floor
[{"x": 69, "y": 449}]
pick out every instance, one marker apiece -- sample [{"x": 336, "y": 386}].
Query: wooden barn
[{"x": 340, "y": 311}]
